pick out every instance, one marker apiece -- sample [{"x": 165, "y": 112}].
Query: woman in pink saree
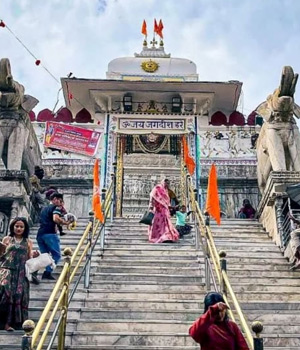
[{"x": 162, "y": 229}]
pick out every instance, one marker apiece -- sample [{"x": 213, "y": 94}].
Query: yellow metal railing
[
  {"x": 226, "y": 288},
  {"x": 35, "y": 336}
]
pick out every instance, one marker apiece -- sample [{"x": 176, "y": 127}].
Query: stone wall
[{"x": 73, "y": 178}]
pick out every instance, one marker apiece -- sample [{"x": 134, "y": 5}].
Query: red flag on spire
[
  {"x": 160, "y": 29},
  {"x": 144, "y": 28},
  {"x": 156, "y": 29},
  {"x": 212, "y": 198}
]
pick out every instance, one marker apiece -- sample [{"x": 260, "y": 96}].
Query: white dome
[{"x": 152, "y": 65}]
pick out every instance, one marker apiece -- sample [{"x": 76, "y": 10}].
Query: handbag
[
  {"x": 38, "y": 263},
  {"x": 147, "y": 218}
]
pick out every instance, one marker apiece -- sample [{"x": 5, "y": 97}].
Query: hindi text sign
[
  {"x": 151, "y": 124},
  {"x": 71, "y": 138}
]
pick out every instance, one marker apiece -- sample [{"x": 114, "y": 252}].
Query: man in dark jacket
[{"x": 47, "y": 236}]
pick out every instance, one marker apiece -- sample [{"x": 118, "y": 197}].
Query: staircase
[
  {"x": 145, "y": 296},
  {"x": 260, "y": 276}
]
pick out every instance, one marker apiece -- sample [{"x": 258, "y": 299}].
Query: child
[{"x": 181, "y": 226}]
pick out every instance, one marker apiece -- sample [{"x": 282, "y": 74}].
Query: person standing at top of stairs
[{"x": 162, "y": 229}]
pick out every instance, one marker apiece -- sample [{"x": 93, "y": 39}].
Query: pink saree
[{"x": 162, "y": 228}]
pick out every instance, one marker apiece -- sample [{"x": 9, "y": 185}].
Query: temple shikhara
[{"x": 153, "y": 118}]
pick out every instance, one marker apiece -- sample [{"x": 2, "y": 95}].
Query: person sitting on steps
[{"x": 181, "y": 226}]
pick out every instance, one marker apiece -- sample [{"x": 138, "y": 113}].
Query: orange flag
[
  {"x": 188, "y": 160},
  {"x": 144, "y": 28},
  {"x": 96, "y": 194},
  {"x": 156, "y": 29},
  {"x": 212, "y": 198},
  {"x": 160, "y": 29}
]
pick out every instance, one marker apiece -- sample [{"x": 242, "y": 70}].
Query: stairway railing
[
  {"x": 205, "y": 241},
  {"x": 61, "y": 296}
]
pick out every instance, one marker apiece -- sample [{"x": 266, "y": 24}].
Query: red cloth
[
  {"x": 217, "y": 335},
  {"x": 212, "y": 198}
]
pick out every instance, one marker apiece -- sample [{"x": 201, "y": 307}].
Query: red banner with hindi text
[{"x": 71, "y": 138}]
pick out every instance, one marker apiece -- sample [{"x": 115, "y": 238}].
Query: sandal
[{"x": 8, "y": 328}]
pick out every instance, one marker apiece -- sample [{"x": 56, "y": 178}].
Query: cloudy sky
[{"x": 248, "y": 40}]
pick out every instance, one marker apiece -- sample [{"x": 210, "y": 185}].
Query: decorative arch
[
  {"x": 45, "y": 115},
  {"x": 83, "y": 116},
  {"x": 32, "y": 116},
  {"x": 236, "y": 118},
  {"x": 218, "y": 118},
  {"x": 64, "y": 115},
  {"x": 255, "y": 119}
]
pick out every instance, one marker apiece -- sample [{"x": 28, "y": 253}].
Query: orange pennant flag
[
  {"x": 212, "y": 198},
  {"x": 188, "y": 160},
  {"x": 160, "y": 29},
  {"x": 96, "y": 194},
  {"x": 156, "y": 29},
  {"x": 144, "y": 28}
]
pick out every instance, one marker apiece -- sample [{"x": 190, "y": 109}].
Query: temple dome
[{"x": 152, "y": 64}]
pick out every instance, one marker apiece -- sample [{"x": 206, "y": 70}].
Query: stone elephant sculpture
[
  {"x": 18, "y": 143},
  {"x": 278, "y": 144}
]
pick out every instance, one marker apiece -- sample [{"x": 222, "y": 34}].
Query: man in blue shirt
[{"x": 47, "y": 236}]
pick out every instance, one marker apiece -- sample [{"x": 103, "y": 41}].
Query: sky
[{"x": 248, "y": 40}]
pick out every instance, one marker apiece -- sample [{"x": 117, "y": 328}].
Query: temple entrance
[{"x": 142, "y": 162}]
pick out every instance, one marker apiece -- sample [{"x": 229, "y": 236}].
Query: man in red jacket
[{"x": 213, "y": 330}]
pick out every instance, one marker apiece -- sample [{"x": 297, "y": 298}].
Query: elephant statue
[
  {"x": 278, "y": 144},
  {"x": 18, "y": 142}
]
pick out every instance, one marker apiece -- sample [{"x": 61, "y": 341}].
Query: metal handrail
[
  {"x": 60, "y": 297},
  {"x": 221, "y": 273}
]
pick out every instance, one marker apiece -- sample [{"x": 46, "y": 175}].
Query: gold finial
[
  {"x": 161, "y": 44},
  {"x": 145, "y": 44},
  {"x": 222, "y": 254},
  {"x": 28, "y": 327},
  {"x": 68, "y": 252},
  {"x": 257, "y": 328}
]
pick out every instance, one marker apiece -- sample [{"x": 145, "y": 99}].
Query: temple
[{"x": 143, "y": 108}]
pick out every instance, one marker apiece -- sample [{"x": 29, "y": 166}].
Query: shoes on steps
[
  {"x": 35, "y": 279},
  {"x": 48, "y": 276}
]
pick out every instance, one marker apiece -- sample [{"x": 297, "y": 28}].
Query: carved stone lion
[{"x": 278, "y": 144}]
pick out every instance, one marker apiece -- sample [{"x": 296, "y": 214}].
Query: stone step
[
  {"x": 284, "y": 297},
  {"x": 148, "y": 286},
  {"x": 143, "y": 244},
  {"x": 153, "y": 250},
  {"x": 286, "y": 277},
  {"x": 169, "y": 270},
  {"x": 132, "y": 338},
  {"x": 139, "y": 304},
  {"x": 129, "y": 325},
  {"x": 196, "y": 278},
  {"x": 256, "y": 287},
  {"x": 130, "y": 294},
  {"x": 147, "y": 264}
]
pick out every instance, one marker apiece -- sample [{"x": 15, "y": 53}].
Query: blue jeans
[{"x": 50, "y": 243}]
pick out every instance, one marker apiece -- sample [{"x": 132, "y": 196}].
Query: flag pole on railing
[
  {"x": 212, "y": 197},
  {"x": 97, "y": 209}
]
